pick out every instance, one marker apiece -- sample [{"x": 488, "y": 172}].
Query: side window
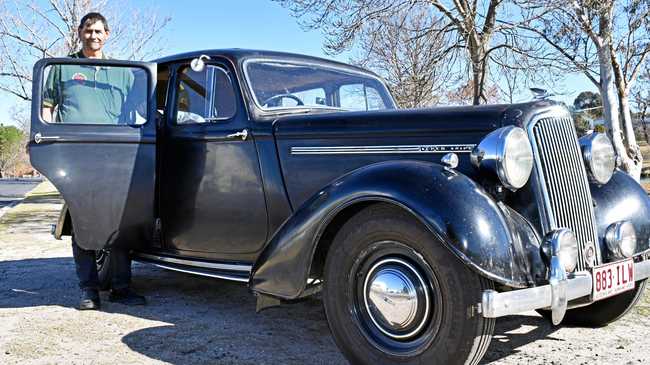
[
  {"x": 375, "y": 102},
  {"x": 360, "y": 97},
  {"x": 94, "y": 95},
  {"x": 206, "y": 96},
  {"x": 351, "y": 97},
  {"x": 312, "y": 96}
]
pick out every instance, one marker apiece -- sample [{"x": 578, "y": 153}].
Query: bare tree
[
  {"x": 411, "y": 59},
  {"x": 36, "y": 29},
  {"x": 470, "y": 30},
  {"x": 587, "y": 36}
]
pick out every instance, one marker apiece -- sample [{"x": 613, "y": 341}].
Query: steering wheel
[{"x": 280, "y": 96}]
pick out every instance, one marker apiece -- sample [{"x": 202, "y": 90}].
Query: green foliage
[
  {"x": 600, "y": 129},
  {"x": 9, "y": 135},
  {"x": 582, "y": 124},
  {"x": 587, "y": 108},
  {"x": 10, "y": 147}
]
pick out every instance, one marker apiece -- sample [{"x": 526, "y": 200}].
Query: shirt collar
[{"x": 81, "y": 54}]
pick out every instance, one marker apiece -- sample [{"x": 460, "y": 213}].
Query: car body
[{"x": 266, "y": 185}]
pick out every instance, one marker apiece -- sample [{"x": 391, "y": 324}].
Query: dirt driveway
[{"x": 194, "y": 320}]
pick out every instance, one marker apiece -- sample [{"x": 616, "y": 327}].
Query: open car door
[{"x": 93, "y": 135}]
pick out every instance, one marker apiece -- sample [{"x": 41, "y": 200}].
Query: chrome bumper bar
[{"x": 555, "y": 295}]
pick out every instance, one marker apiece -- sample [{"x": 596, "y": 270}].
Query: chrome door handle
[
  {"x": 243, "y": 135},
  {"x": 38, "y": 138}
]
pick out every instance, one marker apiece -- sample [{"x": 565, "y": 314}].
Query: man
[{"x": 80, "y": 94}]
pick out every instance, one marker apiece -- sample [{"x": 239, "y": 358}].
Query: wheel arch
[{"x": 427, "y": 192}]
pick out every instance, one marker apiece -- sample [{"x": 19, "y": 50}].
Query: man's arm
[{"x": 48, "y": 113}]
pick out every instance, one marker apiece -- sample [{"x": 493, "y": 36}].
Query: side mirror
[{"x": 198, "y": 64}]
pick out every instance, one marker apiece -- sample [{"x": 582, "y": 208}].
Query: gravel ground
[{"x": 194, "y": 320}]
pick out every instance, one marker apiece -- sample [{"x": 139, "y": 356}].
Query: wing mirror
[{"x": 198, "y": 64}]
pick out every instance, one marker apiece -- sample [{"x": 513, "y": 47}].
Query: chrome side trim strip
[
  {"x": 218, "y": 276},
  {"x": 206, "y": 265},
  {"x": 404, "y": 149}
]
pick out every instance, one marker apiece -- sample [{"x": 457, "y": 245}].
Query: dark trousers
[{"x": 119, "y": 270}]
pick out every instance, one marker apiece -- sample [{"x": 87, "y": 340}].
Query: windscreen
[{"x": 283, "y": 84}]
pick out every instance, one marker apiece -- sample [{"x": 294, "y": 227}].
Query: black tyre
[
  {"x": 103, "y": 262},
  {"x": 604, "y": 312},
  {"x": 393, "y": 294}
]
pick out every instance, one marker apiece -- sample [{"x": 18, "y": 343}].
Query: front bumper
[{"x": 554, "y": 296}]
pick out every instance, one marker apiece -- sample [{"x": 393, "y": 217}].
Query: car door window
[
  {"x": 205, "y": 96},
  {"x": 360, "y": 97},
  {"x": 89, "y": 94}
]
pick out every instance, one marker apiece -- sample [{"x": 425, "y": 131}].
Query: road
[{"x": 12, "y": 191}]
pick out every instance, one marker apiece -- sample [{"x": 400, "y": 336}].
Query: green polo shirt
[{"x": 88, "y": 94}]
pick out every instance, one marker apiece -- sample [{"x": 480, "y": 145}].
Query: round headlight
[
  {"x": 568, "y": 250},
  {"x": 599, "y": 156},
  {"x": 621, "y": 239},
  {"x": 506, "y": 152},
  {"x": 563, "y": 244}
]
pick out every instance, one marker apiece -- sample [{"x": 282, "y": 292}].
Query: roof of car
[{"x": 239, "y": 54}]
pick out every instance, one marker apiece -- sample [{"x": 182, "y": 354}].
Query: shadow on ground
[{"x": 211, "y": 321}]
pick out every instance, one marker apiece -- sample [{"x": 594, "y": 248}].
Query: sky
[{"x": 254, "y": 24}]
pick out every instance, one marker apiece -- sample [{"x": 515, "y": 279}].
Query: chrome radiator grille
[{"x": 564, "y": 184}]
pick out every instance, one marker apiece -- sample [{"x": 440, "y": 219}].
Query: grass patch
[{"x": 42, "y": 190}]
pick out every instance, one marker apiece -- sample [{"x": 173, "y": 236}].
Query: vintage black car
[{"x": 294, "y": 174}]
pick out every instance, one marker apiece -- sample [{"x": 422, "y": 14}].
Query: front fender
[
  {"x": 622, "y": 198},
  {"x": 452, "y": 206}
]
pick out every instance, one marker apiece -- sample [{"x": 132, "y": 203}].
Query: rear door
[{"x": 93, "y": 135}]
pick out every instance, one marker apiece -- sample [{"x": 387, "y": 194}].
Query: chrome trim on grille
[
  {"x": 353, "y": 150},
  {"x": 557, "y": 153}
]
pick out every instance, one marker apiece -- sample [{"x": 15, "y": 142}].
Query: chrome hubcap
[{"x": 396, "y": 298}]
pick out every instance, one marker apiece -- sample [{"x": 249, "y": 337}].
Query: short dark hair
[{"x": 92, "y": 18}]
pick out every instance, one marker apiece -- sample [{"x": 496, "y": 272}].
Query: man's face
[{"x": 93, "y": 36}]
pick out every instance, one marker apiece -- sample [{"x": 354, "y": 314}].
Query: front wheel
[{"x": 394, "y": 294}]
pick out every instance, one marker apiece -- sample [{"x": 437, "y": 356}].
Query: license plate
[{"x": 612, "y": 279}]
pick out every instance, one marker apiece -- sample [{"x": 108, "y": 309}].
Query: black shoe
[
  {"x": 126, "y": 296},
  {"x": 89, "y": 300}
]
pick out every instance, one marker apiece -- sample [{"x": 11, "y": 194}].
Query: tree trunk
[
  {"x": 610, "y": 106},
  {"x": 643, "y": 123},
  {"x": 603, "y": 43},
  {"x": 479, "y": 70},
  {"x": 633, "y": 150},
  {"x": 477, "y": 73}
]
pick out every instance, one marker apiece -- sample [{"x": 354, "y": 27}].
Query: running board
[{"x": 232, "y": 272}]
